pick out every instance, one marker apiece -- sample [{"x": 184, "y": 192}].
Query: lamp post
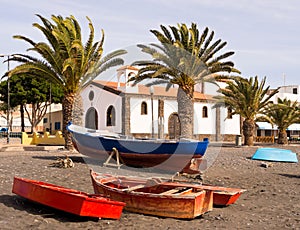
[
  {"x": 8, "y": 98},
  {"x": 50, "y": 120},
  {"x": 152, "y": 116}
]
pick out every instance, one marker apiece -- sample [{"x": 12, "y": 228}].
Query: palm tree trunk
[
  {"x": 282, "y": 137},
  {"x": 22, "y": 118},
  {"x": 67, "y": 107},
  {"x": 78, "y": 110},
  {"x": 248, "y": 131},
  {"x": 185, "y": 113},
  {"x": 33, "y": 116}
]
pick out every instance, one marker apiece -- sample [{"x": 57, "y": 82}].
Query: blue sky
[{"x": 265, "y": 35}]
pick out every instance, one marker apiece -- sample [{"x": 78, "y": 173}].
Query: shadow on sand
[
  {"x": 21, "y": 204},
  {"x": 289, "y": 175}
]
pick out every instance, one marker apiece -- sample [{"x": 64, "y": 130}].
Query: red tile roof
[{"x": 157, "y": 90}]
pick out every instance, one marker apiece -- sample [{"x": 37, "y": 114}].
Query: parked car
[{"x": 3, "y": 131}]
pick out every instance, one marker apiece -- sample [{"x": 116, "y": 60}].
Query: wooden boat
[
  {"x": 68, "y": 200},
  {"x": 171, "y": 155},
  {"x": 151, "y": 197}
]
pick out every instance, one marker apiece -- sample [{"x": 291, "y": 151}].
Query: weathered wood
[
  {"x": 168, "y": 192},
  {"x": 133, "y": 188},
  {"x": 156, "y": 199},
  {"x": 113, "y": 153}
]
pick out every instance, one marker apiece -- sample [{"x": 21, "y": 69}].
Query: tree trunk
[
  {"x": 248, "y": 131},
  {"x": 67, "y": 107},
  {"x": 282, "y": 137},
  {"x": 22, "y": 118},
  {"x": 78, "y": 110},
  {"x": 33, "y": 122},
  {"x": 185, "y": 113}
]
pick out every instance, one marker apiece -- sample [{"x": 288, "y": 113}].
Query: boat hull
[
  {"x": 164, "y": 154},
  {"x": 68, "y": 200},
  {"x": 154, "y": 200},
  {"x": 275, "y": 154}
]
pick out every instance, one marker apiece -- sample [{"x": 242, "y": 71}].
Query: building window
[
  {"x": 110, "y": 116},
  {"x": 45, "y": 120},
  {"x": 91, "y": 95},
  {"x": 204, "y": 111},
  {"x": 144, "y": 109},
  {"x": 57, "y": 125},
  {"x": 295, "y": 91},
  {"x": 229, "y": 113},
  {"x": 268, "y": 133}
]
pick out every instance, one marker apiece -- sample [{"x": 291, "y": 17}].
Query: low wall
[
  {"x": 43, "y": 139},
  {"x": 265, "y": 139}
]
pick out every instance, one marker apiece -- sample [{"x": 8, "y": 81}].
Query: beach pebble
[{"x": 266, "y": 165}]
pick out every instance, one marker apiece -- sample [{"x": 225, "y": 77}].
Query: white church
[{"x": 147, "y": 112}]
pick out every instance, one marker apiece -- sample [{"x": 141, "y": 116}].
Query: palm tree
[
  {"x": 183, "y": 58},
  {"x": 248, "y": 98},
  {"x": 65, "y": 60},
  {"x": 283, "y": 114}
]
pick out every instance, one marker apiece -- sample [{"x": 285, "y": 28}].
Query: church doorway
[
  {"x": 174, "y": 126},
  {"x": 91, "y": 118}
]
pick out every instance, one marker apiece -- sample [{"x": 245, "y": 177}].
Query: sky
[{"x": 265, "y": 35}]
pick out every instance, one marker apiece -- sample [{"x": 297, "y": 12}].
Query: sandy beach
[{"x": 272, "y": 200}]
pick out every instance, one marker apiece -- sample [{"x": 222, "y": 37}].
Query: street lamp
[
  {"x": 50, "y": 120},
  {"x": 8, "y": 97},
  {"x": 151, "y": 93}
]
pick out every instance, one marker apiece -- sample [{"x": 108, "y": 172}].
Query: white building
[
  {"x": 134, "y": 110},
  {"x": 291, "y": 92}
]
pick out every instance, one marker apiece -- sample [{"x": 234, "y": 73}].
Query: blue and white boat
[{"x": 142, "y": 153}]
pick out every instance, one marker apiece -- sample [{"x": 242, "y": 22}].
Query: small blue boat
[
  {"x": 140, "y": 153},
  {"x": 275, "y": 154}
]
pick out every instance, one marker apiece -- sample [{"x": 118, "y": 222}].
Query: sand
[{"x": 272, "y": 200}]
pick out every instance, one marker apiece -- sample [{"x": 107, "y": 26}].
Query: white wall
[
  {"x": 204, "y": 125},
  {"x": 289, "y": 89},
  {"x": 289, "y": 96},
  {"x": 102, "y": 100},
  {"x": 287, "y": 92},
  {"x": 229, "y": 126},
  {"x": 143, "y": 123},
  {"x": 211, "y": 89}
]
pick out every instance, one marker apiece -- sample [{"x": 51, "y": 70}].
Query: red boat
[
  {"x": 151, "y": 197},
  {"x": 68, "y": 200}
]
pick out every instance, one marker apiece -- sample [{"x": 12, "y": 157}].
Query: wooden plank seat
[
  {"x": 168, "y": 192},
  {"x": 129, "y": 189},
  {"x": 186, "y": 191}
]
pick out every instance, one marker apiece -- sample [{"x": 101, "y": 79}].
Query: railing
[
  {"x": 265, "y": 139},
  {"x": 14, "y": 138},
  {"x": 294, "y": 139}
]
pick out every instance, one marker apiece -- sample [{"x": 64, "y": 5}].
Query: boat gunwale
[
  {"x": 115, "y": 136},
  {"x": 60, "y": 189},
  {"x": 154, "y": 195}
]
